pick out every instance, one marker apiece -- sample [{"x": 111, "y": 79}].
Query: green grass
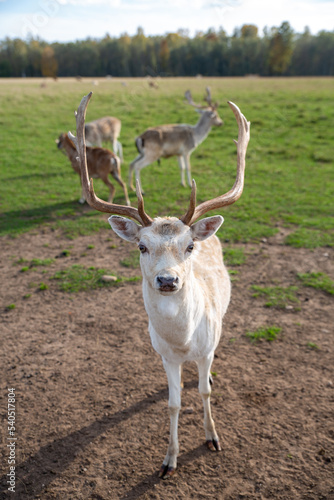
[
  {"x": 132, "y": 261},
  {"x": 34, "y": 263},
  {"x": 78, "y": 278},
  {"x": 309, "y": 238},
  {"x": 277, "y": 296},
  {"x": 41, "y": 262},
  {"x": 270, "y": 333},
  {"x": 317, "y": 280},
  {"x": 234, "y": 256},
  {"x": 289, "y": 158},
  {"x": 312, "y": 345}
]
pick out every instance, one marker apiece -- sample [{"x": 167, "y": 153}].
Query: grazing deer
[
  {"x": 175, "y": 140},
  {"x": 105, "y": 129},
  {"x": 153, "y": 84},
  {"x": 101, "y": 162},
  {"x": 186, "y": 287}
]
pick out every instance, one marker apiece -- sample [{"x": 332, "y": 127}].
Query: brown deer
[
  {"x": 105, "y": 129},
  {"x": 186, "y": 286},
  {"x": 101, "y": 162},
  {"x": 175, "y": 140}
]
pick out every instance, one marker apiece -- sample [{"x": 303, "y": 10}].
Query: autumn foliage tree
[
  {"x": 164, "y": 55},
  {"x": 49, "y": 65},
  {"x": 280, "y": 49}
]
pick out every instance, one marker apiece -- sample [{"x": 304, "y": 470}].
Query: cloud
[{"x": 85, "y": 3}]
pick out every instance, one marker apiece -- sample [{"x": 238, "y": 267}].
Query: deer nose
[{"x": 167, "y": 282}]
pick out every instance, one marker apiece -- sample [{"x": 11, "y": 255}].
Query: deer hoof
[
  {"x": 213, "y": 445},
  {"x": 166, "y": 472}
]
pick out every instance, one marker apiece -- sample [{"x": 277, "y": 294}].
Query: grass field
[{"x": 289, "y": 172}]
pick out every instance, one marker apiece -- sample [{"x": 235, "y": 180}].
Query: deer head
[{"x": 209, "y": 109}]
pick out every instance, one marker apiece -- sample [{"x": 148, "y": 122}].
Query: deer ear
[
  {"x": 125, "y": 228},
  {"x": 205, "y": 228}
]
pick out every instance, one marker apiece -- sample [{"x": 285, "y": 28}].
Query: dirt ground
[{"x": 91, "y": 393}]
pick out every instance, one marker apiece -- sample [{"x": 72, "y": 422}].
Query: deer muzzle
[{"x": 167, "y": 283}]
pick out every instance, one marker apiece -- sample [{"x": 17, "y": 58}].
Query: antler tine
[
  {"x": 208, "y": 98},
  {"x": 146, "y": 220},
  {"x": 189, "y": 98},
  {"x": 186, "y": 218},
  {"x": 95, "y": 202},
  {"x": 234, "y": 194}
]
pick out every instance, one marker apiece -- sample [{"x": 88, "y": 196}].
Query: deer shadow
[
  {"x": 19, "y": 221},
  {"x": 41, "y": 469},
  {"x": 148, "y": 483}
]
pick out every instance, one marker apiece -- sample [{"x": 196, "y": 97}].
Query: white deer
[
  {"x": 107, "y": 128},
  {"x": 175, "y": 140},
  {"x": 186, "y": 286}
]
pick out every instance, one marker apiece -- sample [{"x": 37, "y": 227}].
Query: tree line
[{"x": 279, "y": 51}]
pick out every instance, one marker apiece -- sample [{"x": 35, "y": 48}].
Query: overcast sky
[{"x": 69, "y": 20}]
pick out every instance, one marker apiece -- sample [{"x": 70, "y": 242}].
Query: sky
[{"x": 70, "y": 20}]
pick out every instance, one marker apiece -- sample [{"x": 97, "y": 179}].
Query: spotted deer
[
  {"x": 186, "y": 286},
  {"x": 179, "y": 140},
  {"x": 104, "y": 129},
  {"x": 101, "y": 162}
]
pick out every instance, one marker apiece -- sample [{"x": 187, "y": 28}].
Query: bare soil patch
[{"x": 91, "y": 409}]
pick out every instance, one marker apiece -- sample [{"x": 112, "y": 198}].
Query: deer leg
[
  {"x": 117, "y": 176},
  {"x": 138, "y": 163},
  {"x": 115, "y": 146},
  {"x": 107, "y": 182},
  {"x": 131, "y": 169},
  {"x": 211, "y": 436},
  {"x": 182, "y": 167},
  {"x": 188, "y": 169},
  {"x": 173, "y": 372},
  {"x": 118, "y": 149},
  {"x": 82, "y": 200}
]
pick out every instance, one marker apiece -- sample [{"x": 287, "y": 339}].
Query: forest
[{"x": 279, "y": 51}]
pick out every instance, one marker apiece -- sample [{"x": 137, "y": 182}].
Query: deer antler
[
  {"x": 95, "y": 202},
  {"x": 193, "y": 213},
  {"x": 189, "y": 98},
  {"x": 208, "y": 98}
]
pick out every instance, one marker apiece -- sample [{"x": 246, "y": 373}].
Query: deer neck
[
  {"x": 70, "y": 151},
  {"x": 201, "y": 129},
  {"x": 174, "y": 317}
]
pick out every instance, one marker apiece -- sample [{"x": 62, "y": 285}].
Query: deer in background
[
  {"x": 186, "y": 287},
  {"x": 175, "y": 140},
  {"x": 101, "y": 162},
  {"x": 105, "y": 129}
]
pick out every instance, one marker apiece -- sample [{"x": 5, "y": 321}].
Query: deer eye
[
  {"x": 142, "y": 248},
  {"x": 190, "y": 248}
]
